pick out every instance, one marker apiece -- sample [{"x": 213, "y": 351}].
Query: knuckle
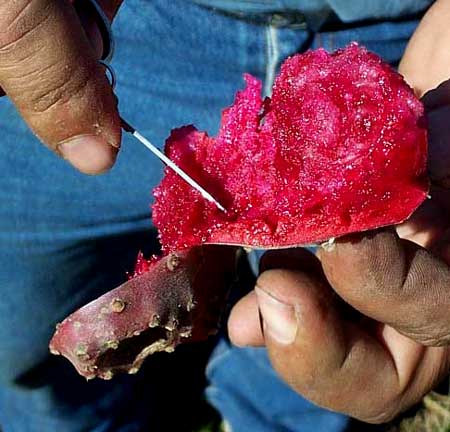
[
  {"x": 433, "y": 338},
  {"x": 385, "y": 412},
  {"x": 62, "y": 87},
  {"x": 19, "y": 19},
  {"x": 426, "y": 292},
  {"x": 34, "y": 73}
]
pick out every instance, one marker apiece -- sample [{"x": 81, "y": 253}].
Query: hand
[
  {"x": 49, "y": 69},
  {"x": 371, "y": 364},
  {"x": 364, "y": 327}
]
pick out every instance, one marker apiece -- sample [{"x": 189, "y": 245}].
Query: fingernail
[
  {"x": 280, "y": 319},
  {"x": 89, "y": 153}
]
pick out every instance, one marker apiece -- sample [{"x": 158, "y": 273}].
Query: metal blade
[{"x": 130, "y": 129}]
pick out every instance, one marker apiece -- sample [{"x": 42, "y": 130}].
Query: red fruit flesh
[{"x": 339, "y": 148}]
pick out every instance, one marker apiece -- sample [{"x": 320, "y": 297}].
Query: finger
[
  {"x": 425, "y": 66},
  {"x": 425, "y": 62},
  {"x": 49, "y": 70},
  {"x": 392, "y": 281},
  {"x": 313, "y": 351},
  {"x": 88, "y": 19},
  {"x": 244, "y": 324},
  {"x": 334, "y": 362}
]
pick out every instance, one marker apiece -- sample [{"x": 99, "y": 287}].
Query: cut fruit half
[{"x": 340, "y": 147}]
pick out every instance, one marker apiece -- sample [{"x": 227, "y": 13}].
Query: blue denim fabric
[
  {"x": 259, "y": 6},
  {"x": 378, "y": 9},
  {"x": 65, "y": 238},
  {"x": 245, "y": 388},
  {"x": 347, "y": 11}
]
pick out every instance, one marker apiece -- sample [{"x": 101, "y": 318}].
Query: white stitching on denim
[{"x": 273, "y": 57}]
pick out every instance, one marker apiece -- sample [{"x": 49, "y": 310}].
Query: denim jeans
[
  {"x": 347, "y": 11},
  {"x": 66, "y": 238}
]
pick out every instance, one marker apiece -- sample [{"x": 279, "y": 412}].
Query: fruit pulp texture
[{"x": 340, "y": 147}]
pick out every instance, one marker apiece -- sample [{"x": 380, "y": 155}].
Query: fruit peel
[{"x": 154, "y": 311}]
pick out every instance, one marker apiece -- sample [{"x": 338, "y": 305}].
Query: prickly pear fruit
[
  {"x": 179, "y": 298},
  {"x": 340, "y": 147}
]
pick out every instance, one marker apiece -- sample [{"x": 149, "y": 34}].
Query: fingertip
[
  {"x": 244, "y": 326},
  {"x": 90, "y": 154}
]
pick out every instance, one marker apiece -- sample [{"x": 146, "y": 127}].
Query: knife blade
[{"x": 172, "y": 165}]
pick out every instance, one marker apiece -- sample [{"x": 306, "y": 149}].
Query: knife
[
  {"x": 159, "y": 154},
  {"x": 104, "y": 27}
]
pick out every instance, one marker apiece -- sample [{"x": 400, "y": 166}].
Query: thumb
[
  {"x": 303, "y": 333},
  {"x": 296, "y": 308},
  {"x": 49, "y": 70},
  {"x": 324, "y": 357}
]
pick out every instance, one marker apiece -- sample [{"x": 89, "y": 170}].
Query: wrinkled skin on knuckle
[
  {"x": 50, "y": 72},
  {"x": 427, "y": 290},
  {"x": 61, "y": 106},
  {"x": 54, "y": 89},
  {"x": 431, "y": 337},
  {"x": 75, "y": 114},
  {"x": 394, "y": 281},
  {"x": 18, "y": 19}
]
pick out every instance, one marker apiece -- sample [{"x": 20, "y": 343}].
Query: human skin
[
  {"x": 49, "y": 69},
  {"x": 363, "y": 327}
]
